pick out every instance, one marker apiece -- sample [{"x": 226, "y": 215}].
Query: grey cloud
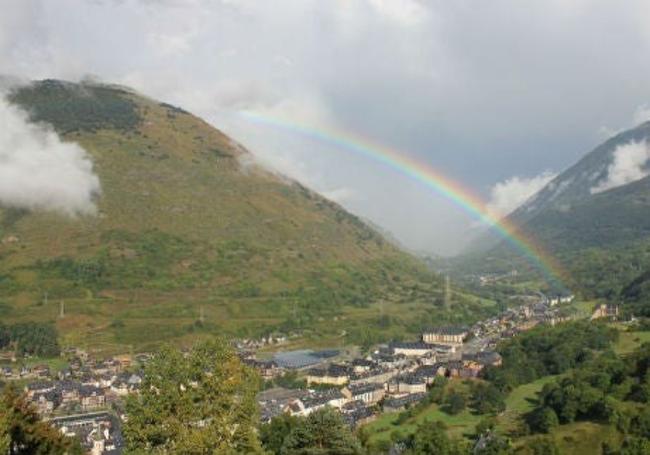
[{"x": 479, "y": 90}]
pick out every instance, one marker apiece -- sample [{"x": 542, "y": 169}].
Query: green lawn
[
  {"x": 385, "y": 425},
  {"x": 521, "y": 399},
  {"x": 582, "y": 438},
  {"x": 629, "y": 341}
]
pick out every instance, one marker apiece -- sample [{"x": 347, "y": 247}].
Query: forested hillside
[
  {"x": 191, "y": 236},
  {"x": 591, "y": 219}
]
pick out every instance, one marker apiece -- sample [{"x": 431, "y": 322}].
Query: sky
[{"x": 498, "y": 96}]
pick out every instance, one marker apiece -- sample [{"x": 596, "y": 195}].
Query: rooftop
[{"x": 448, "y": 330}]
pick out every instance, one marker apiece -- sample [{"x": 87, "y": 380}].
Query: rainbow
[{"x": 426, "y": 175}]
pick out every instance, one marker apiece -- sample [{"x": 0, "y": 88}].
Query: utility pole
[
  {"x": 61, "y": 309},
  {"x": 447, "y": 292}
]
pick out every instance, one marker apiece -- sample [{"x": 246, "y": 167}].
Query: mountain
[
  {"x": 580, "y": 182},
  {"x": 592, "y": 217},
  {"x": 192, "y": 237}
]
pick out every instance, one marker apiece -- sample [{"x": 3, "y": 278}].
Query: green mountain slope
[
  {"x": 187, "y": 230},
  {"x": 603, "y": 238}
]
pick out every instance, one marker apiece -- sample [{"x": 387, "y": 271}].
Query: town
[{"x": 86, "y": 399}]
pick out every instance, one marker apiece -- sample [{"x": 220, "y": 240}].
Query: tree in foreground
[
  {"x": 542, "y": 446},
  {"x": 454, "y": 404},
  {"x": 323, "y": 432},
  {"x": 635, "y": 446},
  {"x": 196, "y": 403},
  {"x": 543, "y": 419},
  {"x": 432, "y": 438},
  {"x": 274, "y": 433},
  {"x": 23, "y": 432}
]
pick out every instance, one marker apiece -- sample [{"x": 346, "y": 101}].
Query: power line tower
[{"x": 447, "y": 292}]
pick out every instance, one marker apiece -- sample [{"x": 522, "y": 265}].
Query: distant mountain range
[{"x": 594, "y": 217}]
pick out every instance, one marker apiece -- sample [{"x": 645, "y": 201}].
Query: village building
[
  {"x": 268, "y": 369},
  {"x": 275, "y": 401},
  {"x": 124, "y": 361},
  {"x": 39, "y": 387},
  {"x": 40, "y": 371},
  {"x": 389, "y": 360},
  {"x": 445, "y": 335},
  {"x": 561, "y": 298},
  {"x": 357, "y": 413},
  {"x": 361, "y": 366},
  {"x": 407, "y": 384},
  {"x": 315, "y": 401},
  {"x": 46, "y": 402},
  {"x": 91, "y": 398},
  {"x": 428, "y": 373},
  {"x": 398, "y": 403},
  {"x": 410, "y": 349},
  {"x": 367, "y": 393},
  {"x": 605, "y": 310},
  {"x": 377, "y": 375},
  {"x": 98, "y": 432},
  {"x": 333, "y": 374}
]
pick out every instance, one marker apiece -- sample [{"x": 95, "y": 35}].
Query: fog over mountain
[
  {"x": 494, "y": 95},
  {"x": 39, "y": 171}
]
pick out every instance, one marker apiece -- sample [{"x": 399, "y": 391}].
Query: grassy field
[
  {"x": 522, "y": 399},
  {"x": 581, "y": 438},
  {"x": 629, "y": 341},
  {"x": 458, "y": 425},
  {"x": 385, "y": 425}
]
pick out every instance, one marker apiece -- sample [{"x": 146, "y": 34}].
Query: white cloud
[
  {"x": 339, "y": 195},
  {"x": 641, "y": 114},
  {"x": 629, "y": 164},
  {"x": 38, "y": 171},
  {"x": 402, "y": 12},
  {"x": 506, "y": 196}
]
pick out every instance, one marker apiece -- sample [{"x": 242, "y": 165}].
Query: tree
[
  {"x": 437, "y": 389},
  {"x": 486, "y": 425},
  {"x": 543, "y": 420},
  {"x": 5, "y": 439},
  {"x": 323, "y": 432},
  {"x": 487, "y": 399},
  {"x": 635, "y": 446},
  {"x": 5, "y": 337},
  {"x": 33, "y": 338},
  {"x": 542, "y": 446},
  {"x": 430, "y": 438},
  {"x": 202, "y": 402},
  {"x": 23, "y": 432},
  {"x": 274, "y": 433},
  {"x": 492, "y": 444},
  {"x": 454, "y": 404}
]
